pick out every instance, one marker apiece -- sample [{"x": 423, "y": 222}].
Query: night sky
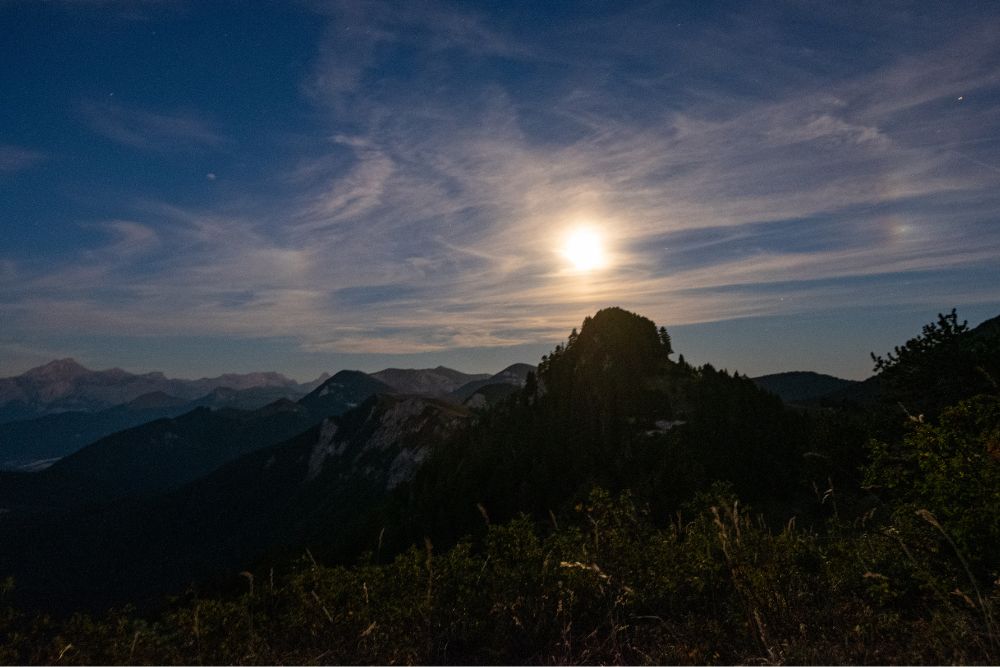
[{"x": 201, "y": 187}]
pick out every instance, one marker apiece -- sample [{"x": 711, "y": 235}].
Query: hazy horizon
[{"x": 709, "y": 343}]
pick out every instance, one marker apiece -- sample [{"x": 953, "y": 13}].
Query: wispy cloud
[
  {"x": 16, "y": 158},
  {"x": 428, "y": 215},
  {"x": 151, "y": 130}
]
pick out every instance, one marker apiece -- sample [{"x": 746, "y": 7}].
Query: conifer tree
[{"x": 665, "y": 341}]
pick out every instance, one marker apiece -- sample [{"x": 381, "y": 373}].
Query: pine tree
[{"x": 665, "y": 340}]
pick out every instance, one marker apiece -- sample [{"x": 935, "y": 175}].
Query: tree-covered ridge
[
  {"x": 946, "y": 362},
  {"x": 623, "y": 507},
  {"x": 609, "y": 409}
]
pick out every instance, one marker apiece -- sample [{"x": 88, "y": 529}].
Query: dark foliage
[{"x": 943, "y": 365}]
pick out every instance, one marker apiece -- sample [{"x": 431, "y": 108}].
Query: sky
[{"x": 208, "y": 187}]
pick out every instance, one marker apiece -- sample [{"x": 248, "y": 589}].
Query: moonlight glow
[{"x": 585, "y": 250}]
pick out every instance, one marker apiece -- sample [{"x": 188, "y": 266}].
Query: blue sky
[{"x": 228, "y": 186}]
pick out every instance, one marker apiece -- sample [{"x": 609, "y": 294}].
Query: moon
[{"x": 584, "y": 249}]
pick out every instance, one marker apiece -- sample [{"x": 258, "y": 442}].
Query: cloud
[
  {"x": 149, "y": 130},
  {"x": 359, "y": 32},
  {"x": 427, "y": 213},
  {"x": 15, "y": 158},
  {"x": 129, "y": 239}
]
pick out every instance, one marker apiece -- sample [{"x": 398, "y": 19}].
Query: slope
[
  {"x": 319, "y": 490},
  {"x": 164, "y": 454},
  {"x": 36, "y": 442}
]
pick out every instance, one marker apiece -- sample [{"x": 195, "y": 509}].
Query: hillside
[
  {"x": 800, "y": 386},
  {"x": 316, "y": 489},
  {"x": 39, "y": 442},
  {"x": 164, "y": 454}
]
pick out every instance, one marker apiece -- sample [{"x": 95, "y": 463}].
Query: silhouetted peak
[
  {"x": 617, "y": 321},
  {"x": 520, "y": 370},
  {"x": 608, "y": 363},
  {"x": 347, "y": 380},
  {"x": 344, "y": 390},
  {"x": 615, "y": 337}
]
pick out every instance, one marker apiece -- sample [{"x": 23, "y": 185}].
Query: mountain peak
[
  {"x": 58, "y": 368},
  {"x": 342, "y": 391},
  {"x": 614, "y": 338},
  {"x": 347, "y": 375},
  {"x": 519, "y": 368}
]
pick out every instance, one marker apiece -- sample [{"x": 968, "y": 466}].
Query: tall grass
[{"x": 610, "y": 585}]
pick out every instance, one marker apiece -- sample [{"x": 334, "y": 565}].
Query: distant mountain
[
  {"x": 31, "y": 443},
  {"x": 162, "y": 455},
  {"x": 64, "y": 385},
  {"x": 155, "y": 457},
  {"x": 342, "y": 392},
  {"x": 800, "y": 386},
  {"x": 825, "y": 390},
  {"x": 156, "y": 400},
  {"x": 514, "y": 375},
  {"x": 438, "y": 381},
  {"x": 37, "y": 443},
  {"x": 34, "y": 443},
  {"x": 858, "y": 394},
  {"x": 317, "y": 489}
]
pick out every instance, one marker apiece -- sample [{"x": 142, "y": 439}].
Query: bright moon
[{"x": 584, "y": 250}]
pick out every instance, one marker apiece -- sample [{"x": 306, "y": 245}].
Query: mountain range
[
  {"x": 358, "y": 464},
  {"x": 64, "y": 385},
  {"x": 32, "y": 444},
  {"x": 361, "y": 463},
  {"x": 223, "y": 485}
]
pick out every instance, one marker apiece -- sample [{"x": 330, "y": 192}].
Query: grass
[{"x": 611, "y": 585}]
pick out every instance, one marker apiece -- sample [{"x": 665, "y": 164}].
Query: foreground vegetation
[
  {"x": 714, "y": 587},
  {"x": 894, "y": 561}
]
